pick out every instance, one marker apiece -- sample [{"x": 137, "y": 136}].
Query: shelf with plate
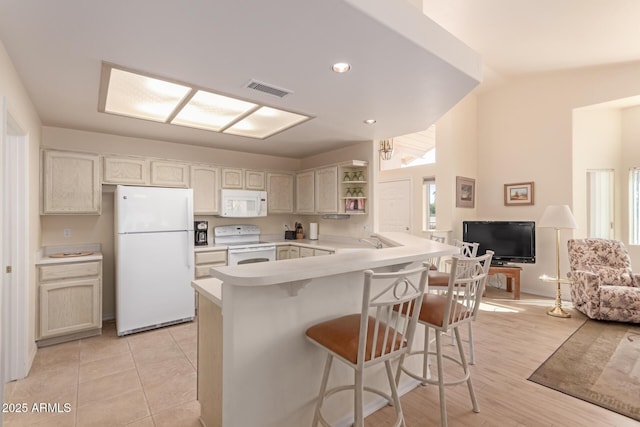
[{"x": 353, "y": 177}]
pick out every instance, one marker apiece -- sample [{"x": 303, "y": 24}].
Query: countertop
[
  {"x": 409, "y": 249},
  {"x": 329, "y": 243},
  {"x": 44, "y": 254}
]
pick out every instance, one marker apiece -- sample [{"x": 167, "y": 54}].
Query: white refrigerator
[{"x": 154, "y": 257}]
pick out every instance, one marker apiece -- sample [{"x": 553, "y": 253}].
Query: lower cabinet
[
  {"x": 294, "y": 251},
  {"x": 70, "y": 301},
  {"x": 204, "y": 260}
]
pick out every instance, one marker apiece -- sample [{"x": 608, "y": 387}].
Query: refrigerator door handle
[{"x": 188, "y": 251}]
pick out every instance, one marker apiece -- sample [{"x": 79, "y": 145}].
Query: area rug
[{"x": 599, "y": 363}]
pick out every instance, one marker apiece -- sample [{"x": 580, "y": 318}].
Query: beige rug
[{"x": 599, "y": 363}]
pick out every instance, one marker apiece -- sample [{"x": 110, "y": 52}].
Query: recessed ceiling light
[
  {"x": 133, "y": 94},
  {"x": 370, "y": 121},
  {"x": 341, "y": 67}
]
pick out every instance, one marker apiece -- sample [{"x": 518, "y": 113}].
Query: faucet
[{"x": 373, "y": 242}]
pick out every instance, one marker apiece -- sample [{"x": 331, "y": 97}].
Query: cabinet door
[
  {"x": 326, "y": 190},
  {"x": 306, "y": 252},
  {"x": 282, "y": 252},
  {"x": 304, "y": 192},
  {"x": 254, "y": 180},
  {"x": 320, "y": 252},
  {"x": 70, "y": 183},
  {"x": 294, "y": 252},
  {"x": 125, "y": 170},
  {"x": 232, "y": 178},
  {"x": 169, "y": 174},
  {"x": 206, "y": 194},
  {"x": 280, "y": 192},
  {"x": 70, "y": 306}
]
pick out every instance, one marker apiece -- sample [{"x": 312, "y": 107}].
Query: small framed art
[
  {"x": 518, "y": 194},
  {"x": 465, "y": 192}
]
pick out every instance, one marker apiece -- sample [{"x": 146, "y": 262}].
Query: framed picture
[
  {"x": 465, "y": 192},
  {"x": 518, "y": 194}
]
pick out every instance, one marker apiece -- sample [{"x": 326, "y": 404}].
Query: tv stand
[{"x": 512, "y": 273}]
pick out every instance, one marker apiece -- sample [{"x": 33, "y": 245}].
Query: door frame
[{"x": 14, "y": 233}]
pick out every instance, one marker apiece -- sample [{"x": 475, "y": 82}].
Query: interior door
[{"x": 395, "y": 205}]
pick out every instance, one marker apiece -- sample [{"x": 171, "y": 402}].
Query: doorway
[{"x": 14, "y": 235}]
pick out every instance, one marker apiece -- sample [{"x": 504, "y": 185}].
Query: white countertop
[
  {"x": 210, "y": 288},
  {"x": 44, "y": 254},
  {"x": 411, "y": 249}
]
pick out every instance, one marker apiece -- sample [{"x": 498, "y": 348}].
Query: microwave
[{"x": 243, "y": 203}]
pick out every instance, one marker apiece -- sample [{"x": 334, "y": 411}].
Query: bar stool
[
  {"x": 376, "y": 334},
  {"x": 448, "y": 312},
  {"x": 439, "y": 280}
]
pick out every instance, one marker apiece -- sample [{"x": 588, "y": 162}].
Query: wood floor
[{"x": 512, "y": 338}]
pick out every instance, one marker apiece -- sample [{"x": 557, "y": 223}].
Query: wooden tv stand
[{"x": 512, "y": 273}]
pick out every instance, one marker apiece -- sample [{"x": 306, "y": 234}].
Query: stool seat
[
  {"x": 438, "y": 278},
  {"x": 342, "y": 336}
]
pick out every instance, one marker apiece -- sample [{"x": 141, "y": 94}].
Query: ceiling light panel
[
  {"x": 265, "y": 122},
  {"x": 142, "y": 97},
  {"x": 211, "y": 111}
]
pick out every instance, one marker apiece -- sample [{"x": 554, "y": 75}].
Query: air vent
[{"x": 271, "y": 90}]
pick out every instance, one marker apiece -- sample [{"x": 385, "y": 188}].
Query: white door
[
  {"x": 153, "y": 279},
  {"x": 14, "y": 235},
  {"x": 395, "y": 205}
]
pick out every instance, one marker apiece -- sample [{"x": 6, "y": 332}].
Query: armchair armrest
[
  {"x": 588, "y": 281},
  {"x": 635, "y": 280}
]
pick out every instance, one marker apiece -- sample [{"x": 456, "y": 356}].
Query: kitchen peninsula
[{"x": 255, "y": 366}]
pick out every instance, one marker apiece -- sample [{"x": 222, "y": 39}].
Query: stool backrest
[
  {"x": 467, "y": 249},
  {"x": 466, "y": 285},
  {"x": 384, "y": 334},
  {"x": 435, "y": 261}
]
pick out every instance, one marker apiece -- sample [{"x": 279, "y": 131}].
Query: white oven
[
  {"x": 244, "y": 244},
  {"x": 262, "y": 252}
]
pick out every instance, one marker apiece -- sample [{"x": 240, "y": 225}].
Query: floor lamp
[{"x": 557, "y": 217}]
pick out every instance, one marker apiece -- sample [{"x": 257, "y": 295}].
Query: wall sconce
[{"x": 386, "y": 149}]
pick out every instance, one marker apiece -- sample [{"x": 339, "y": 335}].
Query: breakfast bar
[{"x": 255, "y": 366}]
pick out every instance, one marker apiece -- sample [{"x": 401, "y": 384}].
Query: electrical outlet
[
  {"x": 67, "y": 233},
  {"x": 366, "y": 228}
]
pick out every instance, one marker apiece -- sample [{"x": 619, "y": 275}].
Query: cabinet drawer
[
  {"x": 204, "y": 270},
  {"x": 211, "y": 257},
  {"x": 68, "y": 271}
]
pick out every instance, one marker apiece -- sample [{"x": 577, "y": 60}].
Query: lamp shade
[{"x": 557, "y": 216}]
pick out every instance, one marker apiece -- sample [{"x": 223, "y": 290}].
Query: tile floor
[{"x": 143, "y": 380}]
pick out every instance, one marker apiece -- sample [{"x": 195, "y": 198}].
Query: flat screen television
[{"x": 512, "y": 241}]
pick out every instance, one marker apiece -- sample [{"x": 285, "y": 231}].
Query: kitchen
[{"x": 82, "y": 229}]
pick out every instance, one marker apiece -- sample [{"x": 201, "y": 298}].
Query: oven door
[{"x": 239, "y": 256}]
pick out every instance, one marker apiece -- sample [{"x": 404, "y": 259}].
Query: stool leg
[
  {"x": 465, "y": 366},
  {"x": 425, "y": 359},
  {"x": 443, "y": 403},
  {"x": 323, "y": 388},
  {"x": 358, "y": 401},
  {"x": 394, "y": 393},
  {"x": 472, "y": 356}
]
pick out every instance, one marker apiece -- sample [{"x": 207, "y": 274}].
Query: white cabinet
[
  {"x": 70, "y": 301},
  {"x": 282, "y": 252},
  {"x": 294, "y": 252},
  {"x": 70, "y": 183},
  {"x": 125, "y": 170},
  {"x": 232, "y": 178},
  {"x": 320, "y": 252},
  {"x": 306, "y": 252},
  {"x": 206, "y": 190},
  {"x": 280, "y": 192},
  {"x": 326, "y": 190},
  {"x": 169, "y": 174},
  {"x": 254, "y": 180},
  {"x": 204, "y": 260},
  {"x": 305, "y": 192}
]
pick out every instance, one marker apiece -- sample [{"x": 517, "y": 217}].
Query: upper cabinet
[
  {"x": 70, "y": 183},
  {"x": 206, "y": 194},
  {"x": 326, "y": 190},
  {"x": 125, "y": 170},
  {"x": 305, "y": 189},
  {"x": 353, "y": 177},
  {"x": 169, "y": 174},
  {"x": 280, "y": 192},
  {"x": 232, "y": 178},
  {"x": 254, "y": 180}
]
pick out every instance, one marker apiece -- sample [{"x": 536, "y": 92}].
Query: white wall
[
  {"x": 630, "y": 158},
  {"x": 22, "y": 110},
  {"x": 525, "y": 133}
]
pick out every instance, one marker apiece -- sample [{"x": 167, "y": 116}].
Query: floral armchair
[{"x": 602, "y": 284}]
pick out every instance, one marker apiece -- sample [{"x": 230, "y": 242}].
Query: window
[
  {"x": 634, "y": 206},
  {"x": 411, "y": 150},
  {"x": 429, "y": 204},
  {"x": 600, "y": 203}
]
